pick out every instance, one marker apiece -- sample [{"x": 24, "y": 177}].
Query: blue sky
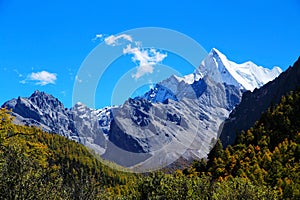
[{"x": 44, "y": 43}]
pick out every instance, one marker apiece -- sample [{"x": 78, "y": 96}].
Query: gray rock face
[{"x": 159, "y": 132}]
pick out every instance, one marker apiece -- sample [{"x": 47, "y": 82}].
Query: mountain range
[{"x": 179, "y": 117}]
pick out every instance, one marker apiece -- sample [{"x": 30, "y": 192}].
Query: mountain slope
[{"x": 254, "y": 103}]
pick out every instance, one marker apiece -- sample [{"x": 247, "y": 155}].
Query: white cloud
[
  {"x": 113, "y": 40},
  {"x": 142, "y": 70},
  {"x": 41, "y": 78},
  {"x": 145, "y": 58},
  {"x": 98, "y": 36}
]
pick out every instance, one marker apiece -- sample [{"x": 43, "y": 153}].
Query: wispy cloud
[
  {"x": 114, "y": 40},
  {"x": 41, "y": 78},
  {"x": 145, "y": 59},
  {"x": 98, "y": 36}
]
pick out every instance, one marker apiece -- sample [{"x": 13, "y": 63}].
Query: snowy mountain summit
[
  {"x": 216, "y": 66},
  {"x": 247, "y": 75}
]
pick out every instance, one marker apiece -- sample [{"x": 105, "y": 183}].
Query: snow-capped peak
[
  {"x": 217, "y": 67},
  {"x": 189, "y": 79},
  {"x": 246, "y": 75}
]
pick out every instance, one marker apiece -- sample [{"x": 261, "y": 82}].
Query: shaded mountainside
[{"x": 254, "y": 103}]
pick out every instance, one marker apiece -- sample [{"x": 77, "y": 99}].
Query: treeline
[{"x": 263, "y": 164}]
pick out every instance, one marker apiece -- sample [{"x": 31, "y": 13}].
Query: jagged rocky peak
[{"x": 43, "y": 100}]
